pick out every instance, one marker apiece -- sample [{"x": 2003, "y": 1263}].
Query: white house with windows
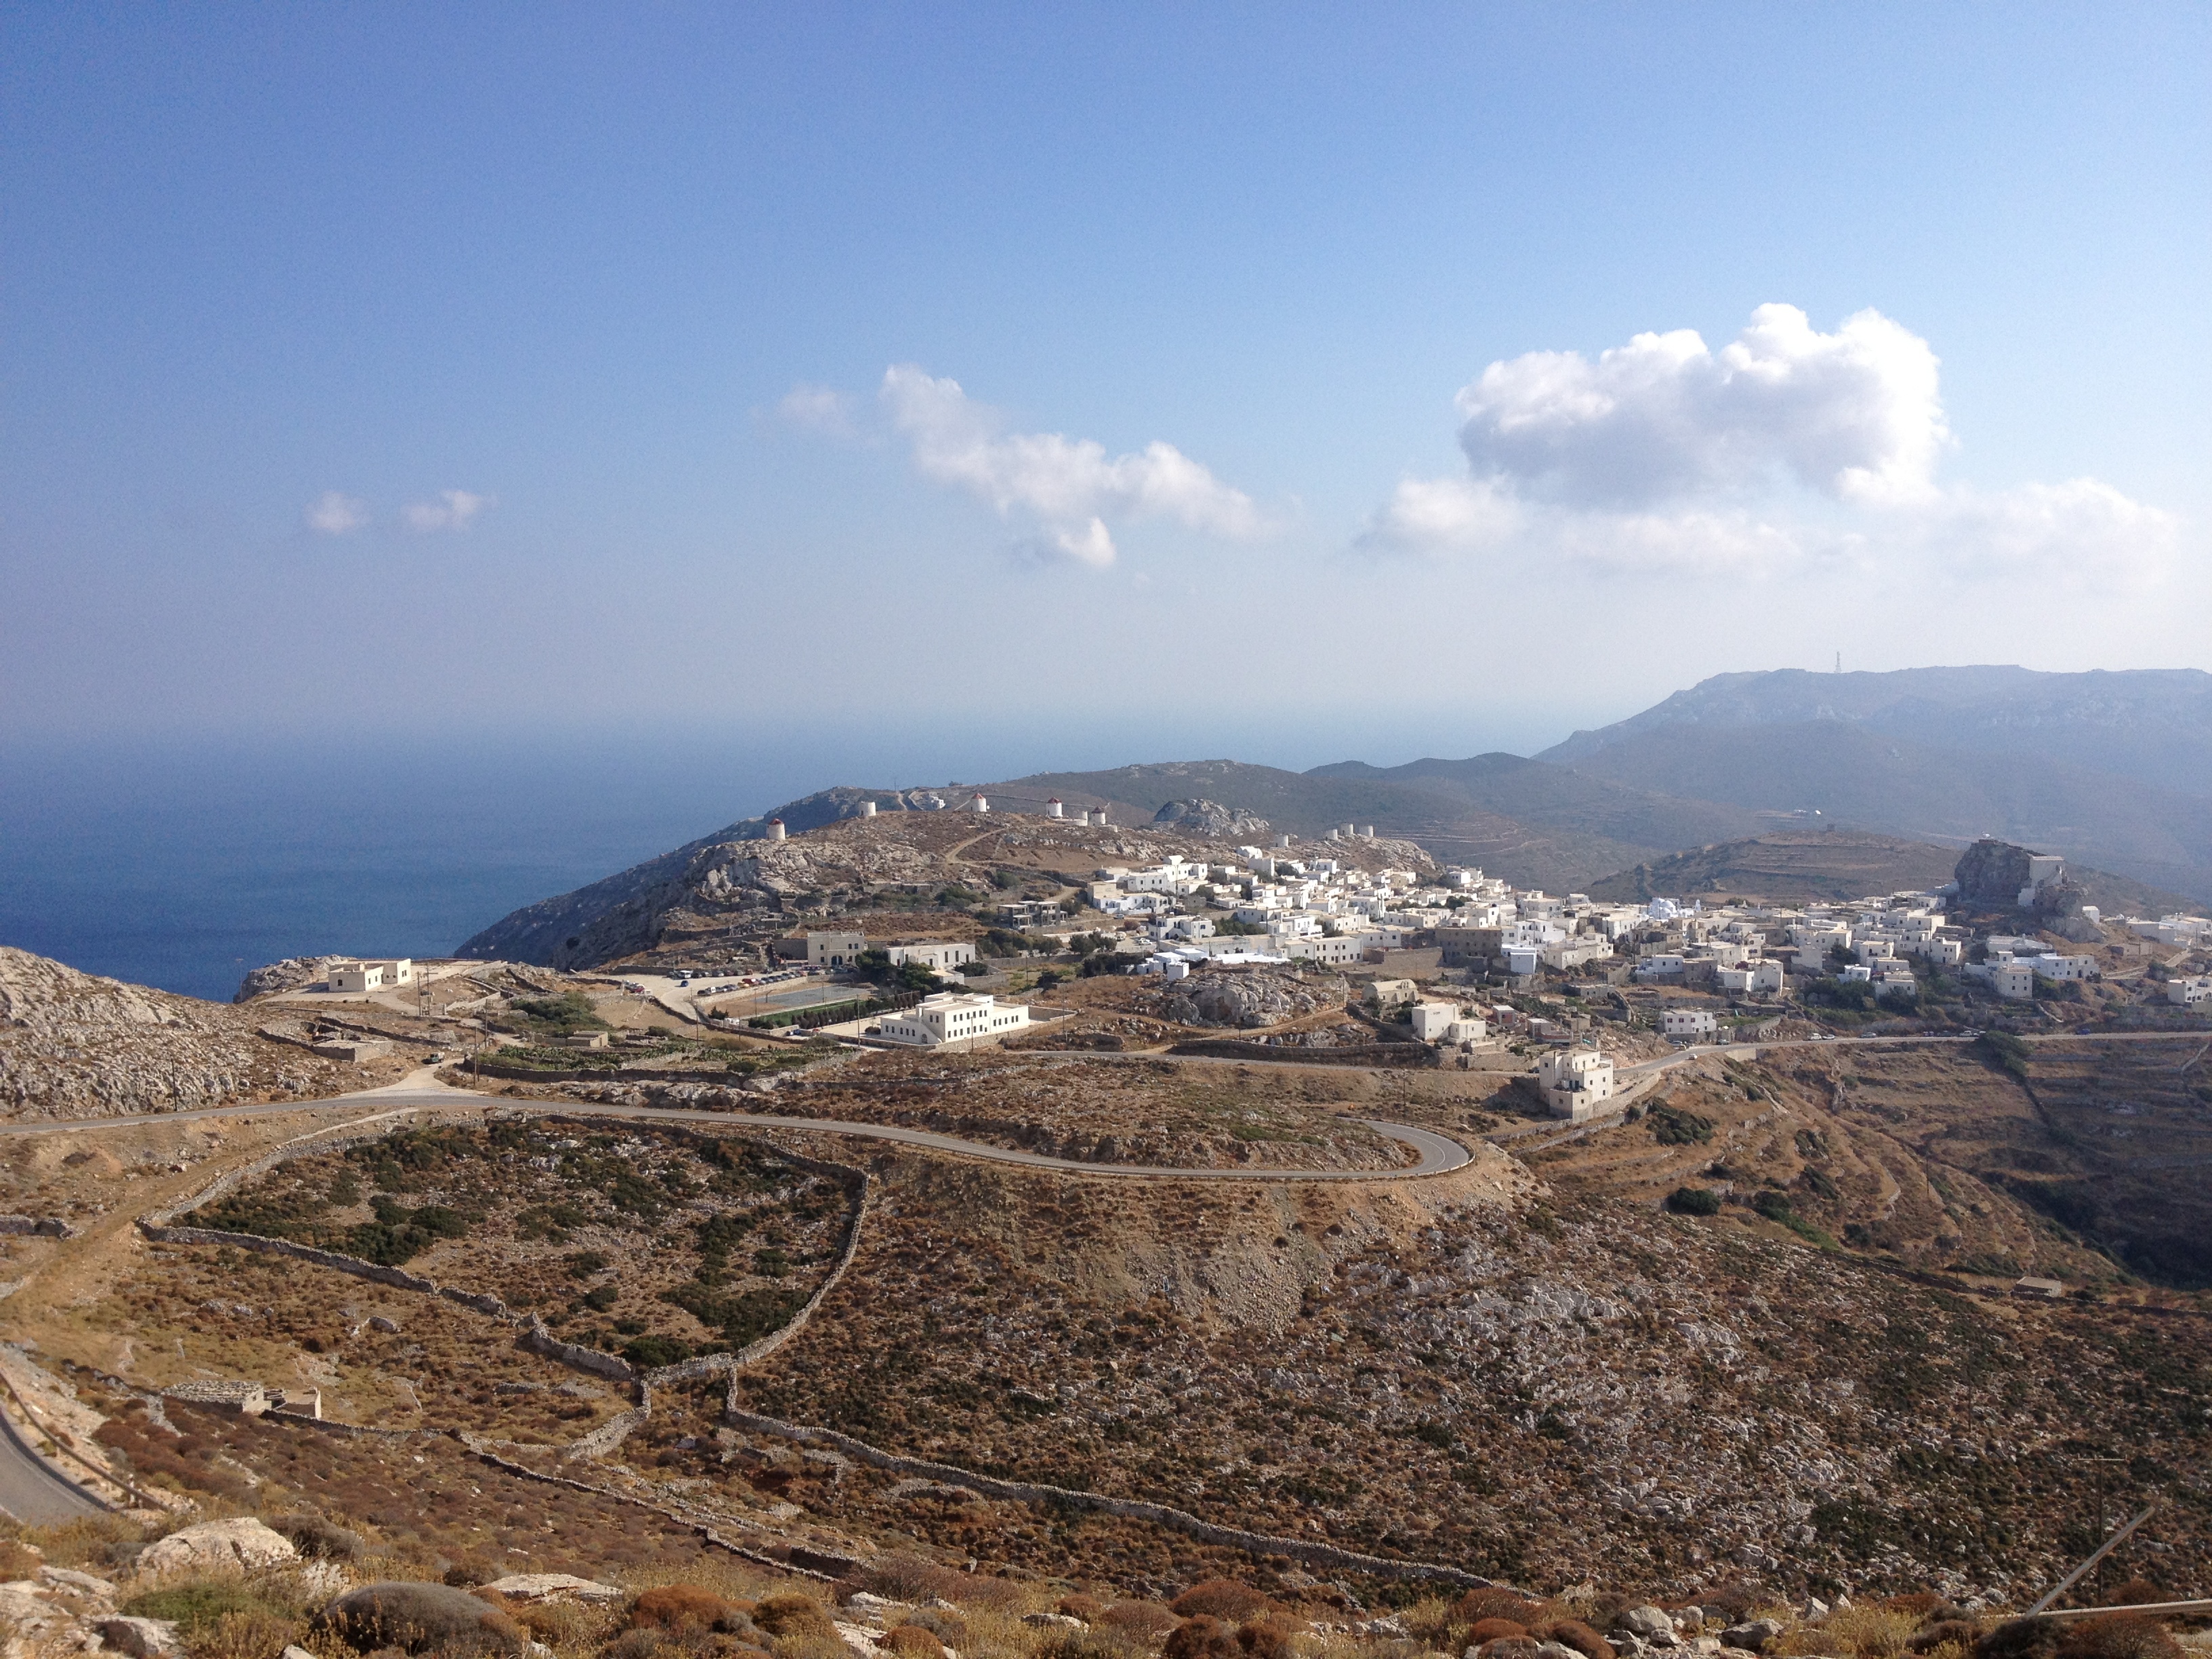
[
  {"x": 2189, "y": 992},
  {"x": 1575, "y": 1082},
  {"x": 953, "y": 1017},
  {"x": 834, "y": 949},
  {"x": 1691, "y": 1023},
  {"x": 361, "y": 976}
]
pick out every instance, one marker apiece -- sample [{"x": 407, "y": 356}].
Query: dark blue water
[{"x": 183, "y": 865}]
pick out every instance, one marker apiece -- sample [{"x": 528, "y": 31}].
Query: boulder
[
  {"x": 1753, "y": 1636},
  {"x": 213, "y": 1546},
  {"x": 68, "y": 1578},
  {"x": 1650, "y": 1623},
  {"x": 556, "y": 1586},
  {"x": 142, "y": 1639},
  {"x": 1247, "y": 997}
]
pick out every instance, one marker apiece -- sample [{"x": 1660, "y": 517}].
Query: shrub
[
  {"x": 1495, "y": 1602},
  {"x": 194, "y": 1607},
  {"x": 1094, "y": 1642},
  {"x": 1270, "y": 1636},
  {"x": 251, "y": 1633},
  {"x": 18, "y": 1560},
  {"x": 1085, "y": 1608},
  {"x": 1869, "y": 1632},
  {"x": 1220, "y": 1598},
  {"x": 1961, "y": 1632},
  {"x": 1671, "y": 1126},
  {"x": 680, "y": 1607},
  {"x": 948, "y": 1626},
  {"x": 789, "y": 1612},
  {"x": 419, "y": 1618},
  {"x": 324, "y": 1540},
  {"x": 1573, "y": 1633},
  {"x": 1606, "y": 1611},
  {"x": 2133, "y": 1593},
  {"x": 1203, "y": 1637},
  {"x": 1491, "y": 1630},
  {"x": 1145, "y": 1621},
  {"x": 2118, "y": 1636},
  {"x": 911, "y": 1642},
  {"x": 1694, "y": 1201}
]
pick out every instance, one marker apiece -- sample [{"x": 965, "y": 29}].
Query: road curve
[
  {"x": 31, "y": 1490},
  {"x": 1438, "y": 1154}
]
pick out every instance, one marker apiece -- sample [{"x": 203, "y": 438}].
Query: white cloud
[
  {"x": 332, "y": 514},
  {"x": 453, "y": 509},
  {"x": 1854, "y": 414},
  {"x": 817, "y": 409},
  {"x": 1787, "y": 445},
  {"x": 1071, "y": 485}
]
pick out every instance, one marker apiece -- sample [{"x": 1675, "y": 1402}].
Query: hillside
[
  {"x": 76, "y": 1045},
  {"x": 1854, "y": 775},
  {"x": 900, "y": 871},
  {"x": 1788, "y": 864},
  {"x": 2153, "y": 726},
  {"x": 1560, "y": 799}
]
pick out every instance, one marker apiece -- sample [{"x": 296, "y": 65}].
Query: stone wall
[
  {"x": 1025, "y": 1491},
  {"x": 1410, "y": 1055}
]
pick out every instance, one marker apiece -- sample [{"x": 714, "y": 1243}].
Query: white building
[
  {"x": 943, "y": 954},
  {"x": 2189, "y": 992},
  {"x": 834, "y": 949},
  {"x": 1575, "y": 1082},
  {"x": 2050, "y": 965},
  {"x": 358, "y": 976},
  {"x": 1432, "y": 1021},
  {"x": 1689, "y": 1022},
  {"x": 1752, "y": 978},
  {"x": 953, "y": 1017},
  {"x": 2013, "y": 980}
]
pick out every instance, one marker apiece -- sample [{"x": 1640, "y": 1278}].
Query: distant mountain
[
  {"x": 2153, "y": 725},
  {"x": 1558, "y": 798},
  {"x": 1859, "y": 749}
]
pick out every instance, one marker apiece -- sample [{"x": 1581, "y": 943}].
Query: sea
[{"x": 182, "y": 864}]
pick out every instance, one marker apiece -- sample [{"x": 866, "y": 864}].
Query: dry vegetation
[
  {"x": 1140, "y": 1110},
  {"x": 649, "y": 1238}
]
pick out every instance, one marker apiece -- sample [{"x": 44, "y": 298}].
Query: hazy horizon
[{"x": 438, "y": 367}]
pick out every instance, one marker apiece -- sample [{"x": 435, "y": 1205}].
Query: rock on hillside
[
  {"x": 1248, "y": 996},
  {"x": 1200, "y": 816},
  {"x": 76, "y": 1045},
  {"x": 293, "y": 974}
]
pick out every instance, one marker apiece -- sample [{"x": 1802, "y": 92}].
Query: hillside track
[{"x": 1435, "y": 1154}]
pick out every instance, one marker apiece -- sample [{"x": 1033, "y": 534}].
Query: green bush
[
  {"x": 1694, "y": 1201},
  {"x": 1673, "y": 1126}
]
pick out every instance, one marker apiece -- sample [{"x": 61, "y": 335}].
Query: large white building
[
  {"x": 1575, "y": 1082},
  {"x": 953, "y": 1017},
  {"x": 834, "y": 949},
  {"x": 2189, "y": 992}
]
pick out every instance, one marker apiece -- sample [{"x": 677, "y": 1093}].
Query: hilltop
[{"x": 2111, "y": 769}]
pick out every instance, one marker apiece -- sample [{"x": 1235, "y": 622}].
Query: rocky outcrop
[
  {"x": 215, "y": 1546},
  {"x": 1201, "y": 816},
  {"x": 76, "y": 1045},
  {"x": 1246, "y": 998},
  {"x": 293, "y": 974}
]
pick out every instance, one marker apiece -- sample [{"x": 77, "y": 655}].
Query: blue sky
[{"x": 526, "y": 368}]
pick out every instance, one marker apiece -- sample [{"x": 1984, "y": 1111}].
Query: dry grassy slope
[
  {"x": 2088, "y": 1170},
  {"x": 1835, "y": 864},
  {"x": 74, "y": 1045},
  {"x": 1126, "y": 1111},
  {"x": 1550, "y": 1390}
]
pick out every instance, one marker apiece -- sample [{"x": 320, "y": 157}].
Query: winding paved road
[
  {"x": 33, "y": 1491},
  {"x": 1438, "y": 1154}
]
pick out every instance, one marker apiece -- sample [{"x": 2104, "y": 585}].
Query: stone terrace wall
[{"x": 1131, "y": 1508}]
